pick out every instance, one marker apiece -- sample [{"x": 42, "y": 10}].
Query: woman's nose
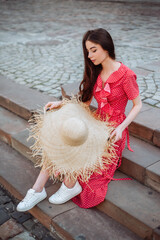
[{"x": 89, "y": 55}]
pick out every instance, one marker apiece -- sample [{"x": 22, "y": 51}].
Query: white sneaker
[
  {"x": 64, "y": 194},
  {"x": 31, "y": 199}
]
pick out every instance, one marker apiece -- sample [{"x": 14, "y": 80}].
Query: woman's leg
[
  {"x": 41, "y": 180},
  {"x": 36, "y": 194}
]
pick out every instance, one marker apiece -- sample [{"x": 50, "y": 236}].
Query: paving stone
[
  {"x": 21, "y": 217},
  {"x": 141, "y": 72},
  {"x": 2, "y": 193},
  {"x": 10, "y": 229},
  {"x": 4, "y": 199},
  {"x": 151, "y": 101},
  {"x": 23, "y": 236},
  {"x": 152, "y": 66},
  {"x": 3, "y": 216},
  {"x": 48, "y": 237},
  {"x": 39, "y": 231},
  {"x": 10, "y": 207},
  {"x": 29, "y": 224}
]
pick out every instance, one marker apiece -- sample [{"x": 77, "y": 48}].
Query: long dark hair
[{"x": 102, "y": 37}]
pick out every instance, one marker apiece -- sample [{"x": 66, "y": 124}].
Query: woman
[{"x": 112, "y": 84}]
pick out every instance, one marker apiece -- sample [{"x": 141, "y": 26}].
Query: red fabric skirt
[{"x": 94, "y": 191}]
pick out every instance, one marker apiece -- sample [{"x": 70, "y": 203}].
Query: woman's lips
[{"x": 93, "y": 60}]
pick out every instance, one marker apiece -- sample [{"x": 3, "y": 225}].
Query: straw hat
[{"x": 72, "y": 141}]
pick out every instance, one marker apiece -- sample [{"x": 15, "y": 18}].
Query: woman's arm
[{"x": 137, "y": 105}]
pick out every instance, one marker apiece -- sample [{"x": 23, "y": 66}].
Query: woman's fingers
[
  {"x": 114, "y": 136},
  {"x": 48, "y": 105},
  {"x": 51, "y": 105}
]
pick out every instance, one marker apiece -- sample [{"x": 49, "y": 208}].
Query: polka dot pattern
[{"x": 112, "y": 99}]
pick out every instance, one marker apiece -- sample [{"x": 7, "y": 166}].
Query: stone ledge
[
  {"x": 10, "y": 124},
  {"x": 135, "y": 164},
  {"x": 156, "y": 137},
  {"x": 19, "y": 142},
  {"x": 20, "y": 99},
  {"x": 133, "y": 205}
]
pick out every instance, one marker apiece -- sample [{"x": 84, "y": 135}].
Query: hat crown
[{"x": 74, "y": 131}]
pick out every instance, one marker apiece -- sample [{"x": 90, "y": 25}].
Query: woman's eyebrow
[{"x": 91, "y": 48}]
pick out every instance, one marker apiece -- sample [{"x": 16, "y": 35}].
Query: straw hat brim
[{"x": 95, "y": 153}]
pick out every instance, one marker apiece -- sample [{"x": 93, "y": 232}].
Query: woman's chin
[{"x": 95, "y": 63}]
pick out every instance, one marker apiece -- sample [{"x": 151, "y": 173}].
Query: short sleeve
[{"x": 130, "y": 86}]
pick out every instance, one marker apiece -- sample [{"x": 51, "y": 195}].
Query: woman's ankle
[
  {"x": 69, "y": 183},
  {"x": 37, "y": 189}
]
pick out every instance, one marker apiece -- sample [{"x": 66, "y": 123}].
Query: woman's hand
[
  {"x": 116, "y": 135},
  {"x": 52, "y": 105}
]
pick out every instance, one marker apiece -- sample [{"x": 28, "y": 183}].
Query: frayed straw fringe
[{"x": 103, "y": 162}]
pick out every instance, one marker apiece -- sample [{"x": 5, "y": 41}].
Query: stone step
[
  {"x": 17, "y": 175},
  {"x": 142, "y": 164},
  {"x": 20, "y": 99},
  {"x": 146, "y": 126},
  {"x": 10, "y": 124},
  {"x": 134, "y": 205}
]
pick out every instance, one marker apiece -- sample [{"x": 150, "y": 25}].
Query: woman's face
[{"x": 96, "y": 53}]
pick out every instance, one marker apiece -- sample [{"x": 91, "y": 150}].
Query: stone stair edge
[
  {"x": 21, "y": 99},
  {"x": 43, "y": 212},
  {"x": 127, "y": 201}
]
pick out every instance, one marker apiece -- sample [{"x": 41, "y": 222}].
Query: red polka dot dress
[{"x": 112, "y": 99}]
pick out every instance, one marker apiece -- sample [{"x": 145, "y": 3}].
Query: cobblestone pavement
[
  {"x": 17, "y": 226},
  {"x": 40, "y": 41}
]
